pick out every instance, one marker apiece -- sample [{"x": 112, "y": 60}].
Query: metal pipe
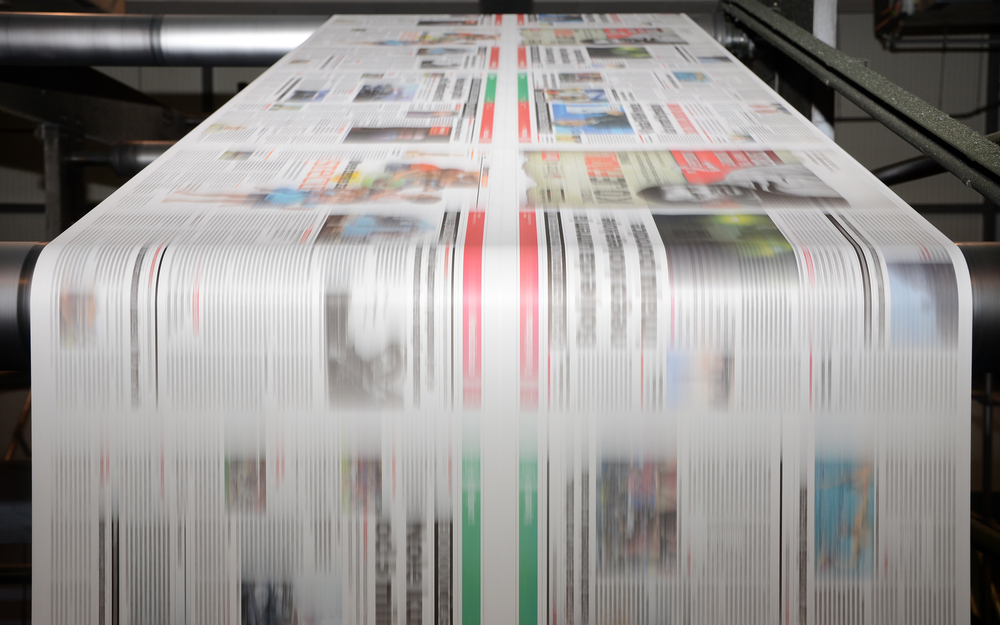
[
  {"x": 17, "y": 261},
  {"x": 126, "y": 158},
  {"x": 983, "y": 260},
  {"x": 985, "y": 539},
  {"x": 915, "y": 168},
  {"x": 908, "y": 170},
  {"x": 136, "y": 40}
]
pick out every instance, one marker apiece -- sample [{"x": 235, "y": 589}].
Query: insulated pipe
[
  {"x": 137, "y": 40},
  {"x": 17, "y": 261}
]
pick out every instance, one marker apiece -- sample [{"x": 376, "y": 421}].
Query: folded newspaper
[{"x": 502, "y": 319}]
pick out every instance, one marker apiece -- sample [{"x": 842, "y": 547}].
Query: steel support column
[{"x": 65, "y": 192}]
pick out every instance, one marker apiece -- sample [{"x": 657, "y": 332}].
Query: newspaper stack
[{"x": 502, "y": 319}]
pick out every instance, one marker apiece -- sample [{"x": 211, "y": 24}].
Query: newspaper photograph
[
  {"x": 383, "y": 351},
  {"x": 401, "y": 58},
  {"x": 426, "y": 35},
  {"x": 439, "y": 108},
  {"x": 610, "y": 38},
  {"x": 443, "y": 20},
  {"x": 694, "y": 180},
  {"x": 620, "y": 58},
  {"x": 601, "y": 20},
  {"x": 587, "y": 107},
  {"x": 249, "y": 178}
]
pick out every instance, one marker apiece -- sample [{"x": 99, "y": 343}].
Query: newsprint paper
[{"x": 534, "y": 319}]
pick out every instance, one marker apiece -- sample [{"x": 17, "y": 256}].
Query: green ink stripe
[
  {"x": 471, "y": 539},
  {"x": 491, "y": 89},
  {"x": 522, "y": 87},
  {"x": 528, "y": 540}
]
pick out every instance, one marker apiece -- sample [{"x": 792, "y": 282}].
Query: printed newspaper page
[{"x": 556, "y": 318}]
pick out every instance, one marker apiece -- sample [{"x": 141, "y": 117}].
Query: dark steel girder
[{"x": 954, "y": 146}]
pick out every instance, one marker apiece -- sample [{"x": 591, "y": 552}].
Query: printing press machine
[{"x": 746, "y": 27}]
